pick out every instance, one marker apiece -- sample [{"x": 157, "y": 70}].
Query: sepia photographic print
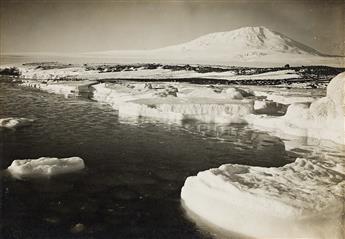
[{"x": 172, "y": 119}]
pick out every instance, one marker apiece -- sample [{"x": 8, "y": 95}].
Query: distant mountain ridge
[
  {"x": 246, "y": 39},
  {"x": 246, "y": 46}
]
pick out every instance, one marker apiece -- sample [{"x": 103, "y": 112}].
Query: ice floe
[
  {"x": 323, "y": 118},
  {"x": 44, "y": 167},
  {"x": 176, "y": 102},
  {"x": 301, "y": 199},
  {"x": 268, "y": 107},
  {"x": 13, "y": 122}
]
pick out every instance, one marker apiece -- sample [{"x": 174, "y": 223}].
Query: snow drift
[{"x": 44, "y": 167}]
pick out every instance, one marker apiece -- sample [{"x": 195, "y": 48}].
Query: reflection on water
[
  {"x": 213, "y": 229},
  {"x": 135, "y": 168}
]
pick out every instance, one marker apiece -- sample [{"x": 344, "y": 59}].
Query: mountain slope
[
  {"x": 246, "y": 39},
  {"x": 244, "y": 46}
]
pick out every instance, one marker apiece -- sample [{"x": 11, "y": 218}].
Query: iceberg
[
  {"x": 176, "y": 102},
  {"x": 44, "y": 167},
  {"x": 13, "y": 123},
  {"x": 300, "y": 199}
]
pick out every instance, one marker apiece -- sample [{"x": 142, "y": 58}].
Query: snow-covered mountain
[
  {"x": 245, "y": 40},
  {"x": 243, "y": 46}
]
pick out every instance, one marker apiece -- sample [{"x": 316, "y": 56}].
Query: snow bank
[
  {"x": 45, "y": 166},
  {"x": 15, "y": 122},
  {"x": 301, "y": 199},
  {"x": 323, "y": 118}
]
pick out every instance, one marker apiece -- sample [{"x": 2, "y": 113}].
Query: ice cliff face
[{"x": 176, "y": 103}]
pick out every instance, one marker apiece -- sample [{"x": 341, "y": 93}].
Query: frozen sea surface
[{"x": 135, "y": 168}]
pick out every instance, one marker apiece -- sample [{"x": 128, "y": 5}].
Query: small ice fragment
[
  {"x": 45, "y": 166},
  {"x": 12, "y": 122},
  {"x": 78, "y": 228}
]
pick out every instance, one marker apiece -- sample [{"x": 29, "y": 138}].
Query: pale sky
[{"x": 90, "y": 25}]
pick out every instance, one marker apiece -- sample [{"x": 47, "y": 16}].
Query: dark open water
[{"x": 135, "y": 169}]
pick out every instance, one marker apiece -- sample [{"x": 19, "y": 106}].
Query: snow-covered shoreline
[
  {"x": 285, "y": 76},
  {"x": 59, "y": 71},
  {"x": 65, "y": 88}
]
